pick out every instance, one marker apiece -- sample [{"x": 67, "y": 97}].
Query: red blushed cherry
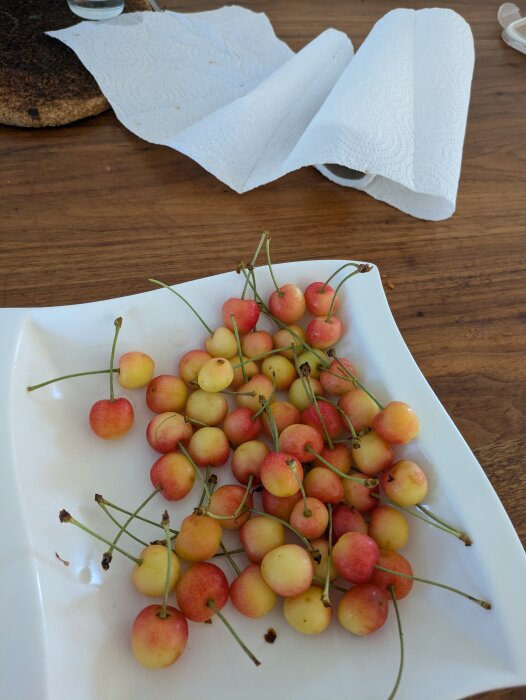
[
  {"x": 202, "y": 582},
  {"x": 245, "y": 312},
  {"x": 345, "y": 519},
  {"x": 321, "y": 483},
  {"x": 287, "y": 304},
  {"x": 250, "y": 594},
  {"x": 318, "y": 298},
  {"x": 313, "y": 525},
  {"x": 110, "y": 419},
  {"x": 355, "y": 556},
  {"x": 166, "y": 430},
  {"x": 324, "y": 332},
  {"x": 363, "y": 609},
  {"x": 341, "y": 384},
  {"x": 395, "y": 562},
  {"x": 295, "y": 438},
  {"x": 166, "y": 392},
  {"x": 158, "y": 642},
  {"x": 281, "y": 474},
  {"x": 174, "y": 475},
  {"x": 331, "y": 418},
  {"x": 397, "y": 423},
  {"x": 226, "y": 500},
  {"x": 281, "y": 507},
  {"x": 240, "y": 426}
]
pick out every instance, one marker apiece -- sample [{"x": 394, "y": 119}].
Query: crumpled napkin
[{"x": 220, "y": 87}]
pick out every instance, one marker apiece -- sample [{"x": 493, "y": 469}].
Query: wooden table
[{"x": 89, "y": 212}]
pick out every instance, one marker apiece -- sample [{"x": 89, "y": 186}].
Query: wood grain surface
[{"x": 89, "y": 211}]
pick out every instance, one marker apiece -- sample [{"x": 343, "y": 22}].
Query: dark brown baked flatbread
[{"x": 42, "y": 82}]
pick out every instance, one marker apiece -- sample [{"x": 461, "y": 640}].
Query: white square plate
[{"x": 66, "y": 629}]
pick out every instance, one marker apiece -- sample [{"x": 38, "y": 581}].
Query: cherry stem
[
  {"x": 368, "y": 483},
  {"x": 120, "y": 525},
  {"x": 240, "y": 507},
  {"x": 196, "y": 422},
  {"x": 254, "y": 259},
  {"x": 325, "y": 599},
  {"x": 100, "y": 500},
  {"x": 165, "y": 522},
  {"x": 356, "y": 381},
  {"x": 229, "y": 392},
  {"x": 203, "y": 493},
  {"x": 262, "y": 356},
  {"x": 483, "y": 604},
  {"x": 65, "y": 517},
  {"x": 211, "y": 604},
  {"x": 226, "y": 553},
  {"x": 238, "y": 342},
  {"x": 315, "y": 553},
  {"x": 304, "y": 375},
  {"x": 70, "y": 376},
  {"x": 306, "y": 511},
  {"x": 391, "y": 590},
  {"x": 107, "y": 555},
  {"x": 340, "y": 410},
  {"x": 271, "y": 422},
  {"x": 118, "y": 325},
  {"x": 196, "y": 469},
  {"x": 267, "y": 249},
  {"x": 166, "y": 286},
  {"x": 359, "y": 269},
  {"x": 445, "y": 528},
  {"x": 461, "y": 535}
]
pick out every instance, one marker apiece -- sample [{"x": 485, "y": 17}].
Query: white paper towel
[{"x": 221, "y": 88}]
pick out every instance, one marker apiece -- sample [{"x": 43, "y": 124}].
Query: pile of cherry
[{"x": 322, "y": 461}]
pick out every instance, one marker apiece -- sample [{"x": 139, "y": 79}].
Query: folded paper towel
[{"x": 223, "y": 89}]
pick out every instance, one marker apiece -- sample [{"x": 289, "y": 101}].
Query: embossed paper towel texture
[{"x": 221, "y": 88}]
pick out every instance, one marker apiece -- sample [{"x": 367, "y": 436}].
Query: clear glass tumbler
[{"x": 96, "y": 9}]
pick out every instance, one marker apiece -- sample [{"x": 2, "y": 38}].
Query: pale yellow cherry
[
  {"x": 298, "y": 394},
  {"x": 149, "y": 577},
  {"x": 280, "y": 367},
  {"x": 215, "y": 375},
  {"x": 135, "y": 370},
  {"x": 206, "y": 407},
  {"x": 315, "y": 359},
  {"x": 306, "y": 613},
  {"x": 222, "y": 343},
  {"x": 287, "y": 569}
]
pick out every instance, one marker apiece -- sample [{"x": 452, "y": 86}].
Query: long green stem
[
  {"x": 461, "y": 535},
  {"x": 271, "y": 422},
  {"x": 230, "y": 551},
  {"x": 100, "y": 500},
  {"x": 70, "y": 376},
  {"x": 241, "y": 505},
  {"x": 391, "y": 590},
  {"x": 196, "y": 469},
  {"x": 359, "y": 269},
  {"x": 267, "y": 249},
  {"x": 203, "y": 493},
  {"x": 325, "y": 599},
  {"x": 483, "y": 603},
  {"x": 120, "y": 525},
  {"x": 238, "y": 343},
  {"x": 262, "y": 356},
  {"x": 166, "y": 286},
  {"x": 356, "y": 381},
  {"x": 254, "y": 259},
  {"x": 118, "y": 325},
  {"x": 226, "y": 553},
  {"x": 227, "y": 624},
  {"x": 166, "y": 526},
  {"x": 349, "y": 264},
  {"x": 325, "y": 430},
  {"x": 342, "y": 413},
  {"x": 65, "y": 517},
  {"x": 368, "y": 483},
  {"x": 315, "y": 553}
]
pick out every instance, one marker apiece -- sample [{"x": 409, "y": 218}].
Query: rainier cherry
[
  {"x": 355, "y": 556},
  {"x": 288, "y": 570},
  {"x": 250, "y": 594},
  {"x": 306, "y": 613},
  {"x": 166, "y": 392},
  {"x": 245, "y": 312},
  {"x": 397, "y": 423},
  {"x": 318, "y": 298},
  {"x": 158, "y": 642},
  {"x": 260, "y": 535},
  {"x": 363, "y": 609},
  {"x": 135, "y": 369}
]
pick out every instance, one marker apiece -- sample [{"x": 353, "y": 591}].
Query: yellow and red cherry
[
  {"x": 247, "y": 460},
  {"x": 261, "y": 535},
  {"x": 245, "y": 312},
  {"x": 250, "y": 594},
  {"x": 323, "y": 484},
  {"x": 316, "y": 359},
  {"x": 339, "y": 456},
  {"x": 310, "y": 517},
  {"x": 363, "y": 609},
  {"x": 201, "y": 583},
  {"x": 306, "y": 612},
  {"x": 296, "y": 438},
  {"x": 342, "y": 383},
  {"x": 279, "y": 506},
  {"x": 397, "y": 423},
  {"x": 360, "y": 408},
  {"x": 206, "y": 407},
  {"x": 135, "y": 369},
  {"x": 215, "y": 375},
  {"x": 228, "y": 500},
  {"x": 374, "y": 454},
  {"x": 298, "y": 396},
  {"x": 190, "y": 364},
  {"x": 319, "y": 297},
  {"x": 222, "y": 343},
  {"x": 166, "y": 392},
  {"x": 209, "y": 447},
  {"x": 258, "y": 385},
  {"x": 174, "y": 475},
  {"x": 256, "y": 343},
  {"x": 157, "y": 642},
  {"x": 279, "y": 369},
  {"x": 345, "y": 519},
  {"x": 287, "y": 569},
  {"x": 287, "y": 303},
  {"x": 199, "y": 538},
  {"x": 166, "y": 430},
  {"x": 332, "y": 421},
  {"x": 355, "y": 556},
  {"x": 398, "y": 563},
  {"x": 285, "y": 337},
  {"x": 324, "y": 332},
  {"x": 110, "y": 419},
  {"x": 359, "y": 496},
  {"x": 405, "y": 483},
  {"x": 281, "y": 474},
  {"x": 283, "y": 414},
  {"x": 149, "y": 576},
  {"x": 389, "y": 528},
  {"x": 242, "y": 425}
]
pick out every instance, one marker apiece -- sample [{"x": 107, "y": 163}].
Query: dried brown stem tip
[
  {"x": 364, "y": 268},
  {"x": 64, "y": 516},
  {"x": 106, "y": 560},
  {"x": 118, "y": 322},
  {"x": 165, "y": 519},
  {"x": 98, "y": 498}
]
